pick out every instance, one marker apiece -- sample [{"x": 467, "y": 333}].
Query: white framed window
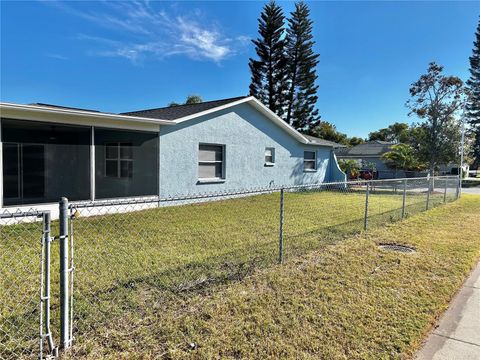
[
  {"x": 309, "y": 161},
  {"x": 211, "y": 162},
  {"x": 119, "y": 160},
  {"x": 269, "y": 156}
]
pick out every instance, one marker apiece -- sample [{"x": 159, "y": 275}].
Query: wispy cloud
[
  {"x": 56, "y": 56},
  {"x": 138, "y": 31}
]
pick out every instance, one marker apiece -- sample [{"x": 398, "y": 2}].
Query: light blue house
[{"x": 231, "y": 144}]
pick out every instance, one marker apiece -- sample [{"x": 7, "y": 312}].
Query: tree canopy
[
  {"x": 269, "y": 71},
  {"x": 191, "y": 99},
  {"x": 397, "y": 133},
  {"x": 436, "y": 100},
  {"x": 302, "y": 61},
  {"x": 473, "y": 101}
]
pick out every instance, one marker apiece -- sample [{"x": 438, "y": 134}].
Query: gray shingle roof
[
  {"x": 180, "y": 111},
  {"x": 372, "y": 149},
  {"x": 319, "y": 141}
]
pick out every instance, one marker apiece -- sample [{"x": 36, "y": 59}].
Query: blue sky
[{"x": 123, "y": 56}]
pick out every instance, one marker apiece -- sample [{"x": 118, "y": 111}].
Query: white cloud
[
  {"x": 56, "y": 56},
  {"x": 150, "y": 33}
]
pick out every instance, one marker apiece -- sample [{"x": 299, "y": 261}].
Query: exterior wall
[
  {"x": 336, "y": 174},
  {"x": 245, "y": 133}
]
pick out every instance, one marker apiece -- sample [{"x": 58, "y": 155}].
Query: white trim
[{"x": 78, "y": 117}]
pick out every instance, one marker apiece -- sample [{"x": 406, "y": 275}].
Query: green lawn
[{"x": 133, "y": 269}]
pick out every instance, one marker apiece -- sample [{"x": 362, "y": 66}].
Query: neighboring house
[
  {"x": 51, "y": 151},
  {"x": 368, "y": 155}
]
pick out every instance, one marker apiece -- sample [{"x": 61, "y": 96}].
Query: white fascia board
[
  {"x": 78, "y": 117},
  {"x": 259, "y": 106},
  {"x": 212, "y": 110}
]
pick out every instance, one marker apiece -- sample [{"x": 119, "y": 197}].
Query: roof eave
[{"x": 80, "y": 114}]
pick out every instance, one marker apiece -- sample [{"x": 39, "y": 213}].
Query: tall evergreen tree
[
  {"x": 301, "y": 110},
  {"x": 473, "y": 102},
  {"x": 269, "y": 71}
]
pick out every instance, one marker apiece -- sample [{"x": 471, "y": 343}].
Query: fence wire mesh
[
  {"x": 22, "y": 254},
  {"x": 135, "y": 260}
]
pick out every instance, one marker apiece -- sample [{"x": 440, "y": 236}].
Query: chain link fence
[{"x": 134, "y": 259}]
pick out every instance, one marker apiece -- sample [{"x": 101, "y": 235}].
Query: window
[
  {"x": 309, "y": 161},
  {"x": 211, "y": 161},
  {"x": 118, "y": 160},
  {"x": 269, "y": 156}
]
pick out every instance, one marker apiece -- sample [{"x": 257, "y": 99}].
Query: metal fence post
[
  {"x": 404, "y": 198},
  {"x": 428, "y": 193},
  {"x": 280, "y": 240},
  {"x": 64, "y": 272},
  {"x": 365, "y": 220},
  {"x": 445, "y": 191},
  {"x": 459, "y": 182}
]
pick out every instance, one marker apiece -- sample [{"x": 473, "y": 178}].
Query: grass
[
  {"x": 136, "y": 274},
  {"x": 347, "y": 301}
]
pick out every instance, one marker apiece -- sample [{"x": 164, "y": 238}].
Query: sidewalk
[{"x": 457, "y": 336}]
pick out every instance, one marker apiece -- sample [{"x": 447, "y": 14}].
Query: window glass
[
  {"x": 111, "y": 168},
  {"x": 269, "y": 155},
  {"x": 126, "y": 163},
  {"x": 309, "y": 155},
  {"x": 210, "y": 161},
  {"x": 309, "y": 160},
  {"x": 126, "y": 169},
  {"x": 111, "y": 151},
  {"x": 126, "y": 151}
]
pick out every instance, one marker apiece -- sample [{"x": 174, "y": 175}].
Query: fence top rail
[
  {"x": 220, "y": 194},
  {"x": 20, "y": 214}
]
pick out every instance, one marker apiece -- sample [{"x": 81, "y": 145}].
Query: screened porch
[{"x": 42, "y": 162}]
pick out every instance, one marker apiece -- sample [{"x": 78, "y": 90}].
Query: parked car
[{"x": 366, "y": 174}]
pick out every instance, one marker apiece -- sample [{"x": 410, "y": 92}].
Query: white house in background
[{"x": 52, "y": 151}]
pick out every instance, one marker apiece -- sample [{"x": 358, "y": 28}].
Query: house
[
  {"x": 231, "y": 144},
  {"x": 369, "y": 157}
]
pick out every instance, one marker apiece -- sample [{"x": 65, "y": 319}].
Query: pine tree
[
  {"x": 269, "y": 72},
  {"x": 302, "y": 60},
  {"x": 473, "y": 102}
]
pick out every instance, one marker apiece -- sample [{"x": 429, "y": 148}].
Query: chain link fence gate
[
  {"x": 136, "y": 259},
  {"x": 25, "y": 283}
]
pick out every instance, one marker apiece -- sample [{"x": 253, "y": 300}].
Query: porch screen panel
[
  {"x": 126, "y": 163},
  {"x": 44, "y": 161}
]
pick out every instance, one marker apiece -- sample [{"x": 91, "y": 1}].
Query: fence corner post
[
  {"x": 365, "y": 220},
  {"x": 280, "y": 238},
  {"x": 404, "y": 197},
  {"x": 65, "y": 340},
  {"x": 429, "y": 189}
]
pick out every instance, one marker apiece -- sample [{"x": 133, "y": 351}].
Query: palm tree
[{"x": 402, "y": 156}]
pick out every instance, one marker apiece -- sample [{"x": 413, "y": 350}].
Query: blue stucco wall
[{"x": 245, "y": 133}]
